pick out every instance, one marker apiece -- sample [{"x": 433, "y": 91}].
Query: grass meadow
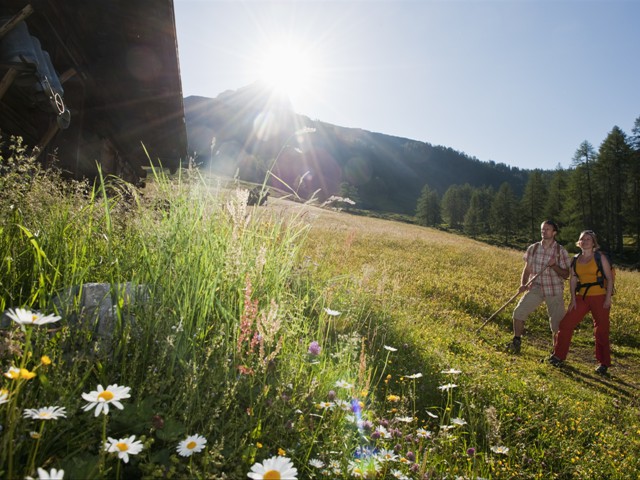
[{"x": 286, "y": 341}]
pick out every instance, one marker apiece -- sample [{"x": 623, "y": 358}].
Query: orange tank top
[{"x": 587, "y": 273}]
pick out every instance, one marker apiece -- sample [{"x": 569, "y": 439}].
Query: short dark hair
[{"x": 553, "y": 224}]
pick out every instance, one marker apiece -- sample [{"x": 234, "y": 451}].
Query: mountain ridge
[{"x": 243, "y": 132}]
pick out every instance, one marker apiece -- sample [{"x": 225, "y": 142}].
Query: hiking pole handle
[{"x": 511, "y": 299}]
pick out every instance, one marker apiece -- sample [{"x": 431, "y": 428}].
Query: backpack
[{"x": 601, "y": 280}]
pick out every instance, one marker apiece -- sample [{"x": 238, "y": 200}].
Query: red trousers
[{"x": 573, "y": 317}]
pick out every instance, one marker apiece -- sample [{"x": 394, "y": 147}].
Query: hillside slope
[
  {"x": 428, "y": 292},
  {"x": 243, "y": 131}
]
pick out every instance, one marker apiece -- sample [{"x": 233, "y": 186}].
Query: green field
[{"x": 400, "y": 384}]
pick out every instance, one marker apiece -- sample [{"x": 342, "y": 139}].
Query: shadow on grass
[{"x": 607, "y": 384}]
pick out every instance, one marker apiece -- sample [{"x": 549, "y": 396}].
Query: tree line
[{"x": 599, "y": 191}]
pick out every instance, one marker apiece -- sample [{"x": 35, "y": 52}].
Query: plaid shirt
[{"x": 538, "y": 257}]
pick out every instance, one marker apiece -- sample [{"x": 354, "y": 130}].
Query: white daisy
[
  {"x": 274, "y": 468},
  {"x": 383, "y": 432},
  {"x": 326, "y": 405},
  {"x": 458, "y": 421},
  {"x": 190, "y": 445},
  {"x": 422, "y": 433},
  {"x": 451, "y": 371},
  {"x": 399, "y": 474},
  {"x": 343, "y": 384},
  {"x": 447, "y": 387},
  {"x": 101, "y": 398},
  {"x": 316, "y": 463},
  {"x": 500, "y": 449},
  {"x": 332, "y": 313},
  {"x": 52, "y": 474},
  {"x": 4, "y": 396},
  {"x": 405, "y": 419},
  {"x": 124, "y": 447},
  {"x": 23, "y": 316},
  {"x": 45, "y": 413},
  {"x": 391, "y": 349},
  {"x": 415, "y": 375},
  {"x": 432, "y": 415},
  {"x": 385, "y": 455}
]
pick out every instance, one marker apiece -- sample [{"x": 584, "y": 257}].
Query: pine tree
[
  {"x": 534, "y": 202},
  {"x": 455, "y": 204},
  {"x": 428, "y": 210},
  {"x": 612, "y": 168},
  {"x": 503, "y": 212}
]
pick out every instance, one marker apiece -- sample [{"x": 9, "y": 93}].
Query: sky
[{"x": 519, "y": 82}]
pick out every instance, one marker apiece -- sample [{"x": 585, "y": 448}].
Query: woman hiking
[{"x": 591, "y": 289}]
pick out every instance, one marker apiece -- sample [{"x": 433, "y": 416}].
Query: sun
[{"x": 288, "y": 68}]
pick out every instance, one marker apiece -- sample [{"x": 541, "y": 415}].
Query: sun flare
[{"x": 287, "y": 68}]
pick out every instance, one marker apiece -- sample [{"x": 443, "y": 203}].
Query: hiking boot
[
  {"x": 602, "y": 369},
  {"x": 554, "y": 361},
  {"x": 514, "y": 345}
]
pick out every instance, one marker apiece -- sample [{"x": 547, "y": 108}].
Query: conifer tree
[
  {"x": 428, "y": 210},
  {"x": 504, "y": 211},
  {"x": 612, "y": 169},
  {"x": 534, "y": 202}
]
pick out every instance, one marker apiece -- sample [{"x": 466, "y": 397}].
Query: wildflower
[
  {"x": 391, "y": 349},
  {"x": 393, "y": 398},
  {"x": 26, "y": 317},
  {"x": 458, "y": 421},
  {"x": 35, "y": 435},
  {"x": 315, "y": 463},
  {"x": 273, "y": 468},
  {"x": 282, "y": 452},
  {"x": 451, "y": 371},
  {"x": 124, "y": 447},
  {"x": 326, "y": 405},
  {"x": 45, "y": 360},
  {"x": 447, "y": 387},
  {"x": 4, "y": 396},
  {"x": 314, "y": 348},
  {"x": 500, "y": 449},
  {"x": 405, "y": 419},
  {"x": 399, "y": 474},
  {"x": 343, "y": 384},
  {"x": 387, "y": 455},
  {"x": 101, "y": 398},
  {"x": 382, "y": 432},
  {"x": 190, "y": 445},
  {"x": 52, "y": 474},
  {"x": 414, "y": 376},
  {"x": 45, "y": 413},
  {"x": 432, "y": 415},
  {"x": 332, "y": 313},
  {"x": 422, "y": 433},
  {"x": 15, "y": 373},
  {"x": 471, "y": 451}
]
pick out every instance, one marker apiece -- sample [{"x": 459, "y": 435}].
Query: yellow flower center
[
  {"x": 34, "y": 318},
  {"x": 106, "y": 396},
  {"x": 123, "y": 447},
  {"x": 272, "y": 475},
  {"x": 191, "y": 445},
  {"x": 43, "y": 414}
]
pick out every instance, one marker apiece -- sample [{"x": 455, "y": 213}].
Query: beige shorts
[{"x": 532, "y": 300}]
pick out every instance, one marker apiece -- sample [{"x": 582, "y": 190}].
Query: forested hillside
[{"x": 243, "y": 131}]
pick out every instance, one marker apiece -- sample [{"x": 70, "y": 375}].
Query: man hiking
[{"x": 549, "y": 263}]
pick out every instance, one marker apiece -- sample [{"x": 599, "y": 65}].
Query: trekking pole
[{"x": 511, "y": 299}]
